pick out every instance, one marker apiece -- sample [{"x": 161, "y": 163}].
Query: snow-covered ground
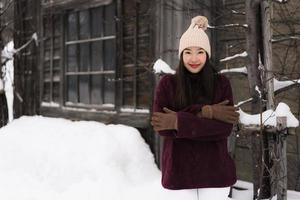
[{"x": 57, "y": 159}]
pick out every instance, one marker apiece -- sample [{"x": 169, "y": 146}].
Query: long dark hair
[{"x": 194, "y": 88}]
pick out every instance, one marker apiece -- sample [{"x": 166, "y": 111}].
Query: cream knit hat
[{"x": 195, "y": 36}]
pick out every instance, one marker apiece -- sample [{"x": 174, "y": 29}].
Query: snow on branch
[
  {"x": 269, "y": 117},
  {"x": 242, "y": 70},
  {"x": 244, "y": 54},
  {"x": 161, "y": 66},
  {"x": 243, "y": 102},
  {"x": 238, "y": 13},
  {"x": 7, "y": 5},
  {"x": 228, "y": 26},
  {"x": 33, "y": 38},
  {"x": 281, "y": 1},
  {"x": 279, "y": 85}
]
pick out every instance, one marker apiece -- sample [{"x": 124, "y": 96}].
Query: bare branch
[
  {"x": 2, "y": 11},
  {"x": 285, "y": 39}
]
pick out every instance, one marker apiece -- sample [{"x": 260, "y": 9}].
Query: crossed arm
[{"x": 189, "y": 122}]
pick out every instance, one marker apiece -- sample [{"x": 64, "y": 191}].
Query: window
[
  {"x": 90, "y": 56},
  {"x": 78, "y": 68}
]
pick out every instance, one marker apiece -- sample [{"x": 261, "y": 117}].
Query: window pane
[
  {"x": 72, "y": 26},
  {"x": 57, "y": 25},
  {"x": 84, "y": 57},
  {"x": 97, "y": 22},
  {"x": 55, "y": 92},
  {"x": 46, "y": 92},
  {"x": 84, "y": 89},
  {"x": 109, "y": 88},
  {"x": 72, "y": 58},
  {"x": 84, "y": 24},
  {"x": 72, "y": 89},
  {"x": 109, "y": 16},
  {"x": 96, "y": 91},
  {"x": 110, "y": 55},
  {"x": 97, "y": 56}
]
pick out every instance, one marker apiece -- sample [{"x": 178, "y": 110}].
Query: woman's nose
[{"x": 194, "y": 58}]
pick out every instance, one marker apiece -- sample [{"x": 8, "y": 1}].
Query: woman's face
[{"x": 194, "y": 59}]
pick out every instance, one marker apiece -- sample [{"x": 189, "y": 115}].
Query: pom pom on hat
[
  {"x": 195, "y": 36},
  {"x": 200, "y": 21}
]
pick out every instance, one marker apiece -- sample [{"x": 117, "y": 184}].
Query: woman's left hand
[{"x": 164, "y": 121}]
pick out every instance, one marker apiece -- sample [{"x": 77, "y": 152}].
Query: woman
[{"x": 193, "y": 110}]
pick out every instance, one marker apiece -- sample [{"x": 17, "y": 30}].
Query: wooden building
[{"x": 94, "y": 58}]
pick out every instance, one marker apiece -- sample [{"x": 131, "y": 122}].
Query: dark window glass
[
  {"x": 72, "y": 86},
  {"x": 84, "y": 24},
  {"x": 72, "y": 26},
  {"x": 97, "y": 22},
  {"x": 84, "y": 89},
  {"x": 72, "y": 58},
  {"x": 96, "y": 89},
  {"x": 97, "y": 60},
  {"x": 110, "y": 54}
]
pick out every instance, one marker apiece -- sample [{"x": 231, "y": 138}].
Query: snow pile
[
  {"x": 269, "y": 117},
  {"x": 57, "y": 159},
  {"x": 161, "y": 66}
]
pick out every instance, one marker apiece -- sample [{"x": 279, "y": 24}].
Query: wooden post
[
  {"x": 253, "y": 37},
  {"x": 280, "y": 161},
  {"x": 266, "y": 7}
]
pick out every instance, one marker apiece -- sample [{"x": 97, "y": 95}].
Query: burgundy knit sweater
[{"x": 195, "y": 156}]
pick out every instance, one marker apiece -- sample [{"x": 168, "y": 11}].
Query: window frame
[{"x": 62, "y": 99}]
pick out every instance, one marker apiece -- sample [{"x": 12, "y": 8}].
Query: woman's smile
[{"x": 194, "y": 66}]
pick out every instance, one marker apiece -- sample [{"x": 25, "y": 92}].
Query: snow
[
  {"x": 269, "y": 116},
  {"x": 57, "y": 159},
  {"x": 161, "y": 66},
  {"x": 50, "y": 104},
  {"x": 281, "y": 1},
  {"x": 258, "y": 91},
  {"x": 282, "y": 84},
  {"x": 244, "y": 54},
  {"x": 229, "y": 25},
  {"x": 7, "y": 57},
  {"x": 134, "y": 110},
  {"x": 242, "y": 70}
]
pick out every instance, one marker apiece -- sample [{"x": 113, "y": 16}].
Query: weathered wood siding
[
  {"x": 137, "y": 53},
  {"x": 26, "y": 69}
]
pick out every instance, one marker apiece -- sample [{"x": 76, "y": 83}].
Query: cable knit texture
[
  {"x": 195, "y": 156},
  {"x": 195, "y": 36}
]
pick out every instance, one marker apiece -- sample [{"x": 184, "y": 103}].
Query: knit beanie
[{"x": 195, "y": 36}]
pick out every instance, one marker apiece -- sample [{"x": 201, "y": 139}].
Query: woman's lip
[{"x": 194, "y": 66}]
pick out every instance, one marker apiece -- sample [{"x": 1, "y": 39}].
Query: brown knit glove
[
  {"x": 220, "y": 111},
  {"x": 164, "y": 121}
]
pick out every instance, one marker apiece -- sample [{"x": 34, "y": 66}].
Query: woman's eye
[
  {"x": 200, "y": 52},
  {"x": 187, "y": 52}
]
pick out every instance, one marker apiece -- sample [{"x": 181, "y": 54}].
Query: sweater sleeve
[
  {"x": 160, "y": 101},
  {"x": 193, "y": 127}
]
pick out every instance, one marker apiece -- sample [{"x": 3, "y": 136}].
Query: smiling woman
[
  {"x": 194, "y": 113},
  {"x": 194, "y": 59}
]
